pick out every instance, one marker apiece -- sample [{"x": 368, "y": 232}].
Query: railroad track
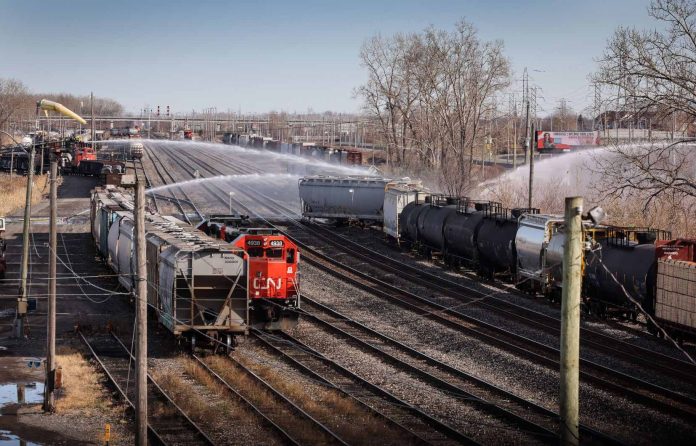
[
  {"x": 422, "y": 427},
  {"x": 163, "y": 173},
  {"x": 649, "y": 394},
  {"x": 171, "y": 426},
  {"x": 445, "y": 377},
  {"x": 639, "y": 390},
  {"x": 656, "y": 361},
  {"x": 517, "y": 419},
  {"x": 664, "y": 364},
  {"x": 620, "y": 383},
  {"x": 288, "y": 419}
]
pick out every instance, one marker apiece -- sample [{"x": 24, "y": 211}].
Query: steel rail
[
  {"x": 178, "y": 201},
  {"x": 548, "y": 353},
  {"x": 551, "y": 363},
  {"x": 340, "y": 318},
  {"x": 283, "y": 433},
  {"x": 649, "y": 358},
  {"x": 633, "y": 381},
  {"x": 284, "y": 339},
  {"x": 448, "y": 430},
  {"x": 161, "y": 394},
  {"x": 152, "y": 433},
  {"x": 495, "y": 335},
  {"x": 589, "y": 338},
  {"x": 289, "y": 404}
]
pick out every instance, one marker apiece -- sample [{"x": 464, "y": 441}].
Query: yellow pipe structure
[{"x": 45, "y": 104}]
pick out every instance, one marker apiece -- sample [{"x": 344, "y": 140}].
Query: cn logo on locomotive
[{"x": 267, "y": 283}]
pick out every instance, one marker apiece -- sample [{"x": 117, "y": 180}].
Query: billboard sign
[{"x": 565, "y": 141}]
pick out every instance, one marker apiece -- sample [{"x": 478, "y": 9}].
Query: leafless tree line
[
  {"x": 18, "y": 104},
  {"x": 430, "y": 93}
]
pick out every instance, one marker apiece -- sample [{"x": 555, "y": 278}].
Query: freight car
[
  {"x": 344, "y": 198},
  {"x": 624, "y": 270},
  {"x": 336, "y": 155},
  {"x": 350, "y": 198},
  {"x": 674, "y": 307},
  {"x": 462, "y": 231},
  {"x": 99, "y": 167},
  {"x": 196, "y": 283}
]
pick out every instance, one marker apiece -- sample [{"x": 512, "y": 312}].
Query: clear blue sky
[{"x": 281, "y": 55}]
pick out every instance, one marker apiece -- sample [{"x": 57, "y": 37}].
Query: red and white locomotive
[{"x": 273, "y": 286}]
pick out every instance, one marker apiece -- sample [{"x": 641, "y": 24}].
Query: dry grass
[
  {"x": 206, "y": 407},
  {"x": 252, "y": 390},
  {"x": 14, "y": 192},
  {"x": 183, "y": 394},
  {"x": 346, "y": 417},
  {"x": 82, "y": 391}
]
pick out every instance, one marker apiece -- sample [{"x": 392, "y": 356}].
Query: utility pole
[
  {"x": 570, "y": 322},
  {"x": 23, "y": 299},
  {"x": 527, "y": 139},
  {"x": 91, "y": 110},
  {"x": 514, "y": 134},
  {"x": 532, "y": 148},
  {"x": 49, "y": 397},
  {"x": 525, "y": 92},
  {"x": 595, "y": 108},
  {"x": 563, "y": 112},
  {"x": 141, "y": 318}
]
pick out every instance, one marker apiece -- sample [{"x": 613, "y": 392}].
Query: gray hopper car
[
  {"x": 195, "y": 283},
  {"x": 343, "y": 198}
]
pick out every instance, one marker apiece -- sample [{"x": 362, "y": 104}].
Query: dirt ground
[{"x": 85, "y": 403}]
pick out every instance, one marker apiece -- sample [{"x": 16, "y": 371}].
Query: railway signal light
[
  {"x": 158, "y": 110},
  {"x": 167, "y": 111}
]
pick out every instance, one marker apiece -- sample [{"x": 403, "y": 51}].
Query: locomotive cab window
[
  {"x": 290, "y": 258},
  {"x": 274, "y": 253},
  {"x": 255, "y": 252}
]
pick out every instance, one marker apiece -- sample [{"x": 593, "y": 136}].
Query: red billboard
[{"x": 565, "y": 141}]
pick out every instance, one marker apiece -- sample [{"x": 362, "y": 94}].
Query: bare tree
[
  {"x": 652, "y": 71},
  {"x": 649, "y": 173},
  {"x": 13, "y": 96},
  {"x": 429, "y": 91}
]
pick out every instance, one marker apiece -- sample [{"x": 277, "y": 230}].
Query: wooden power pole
[
  {"x": 570, "y": 322},
  {"x": 49, "y": 398},
  {"x": 141, "y": 318}
]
